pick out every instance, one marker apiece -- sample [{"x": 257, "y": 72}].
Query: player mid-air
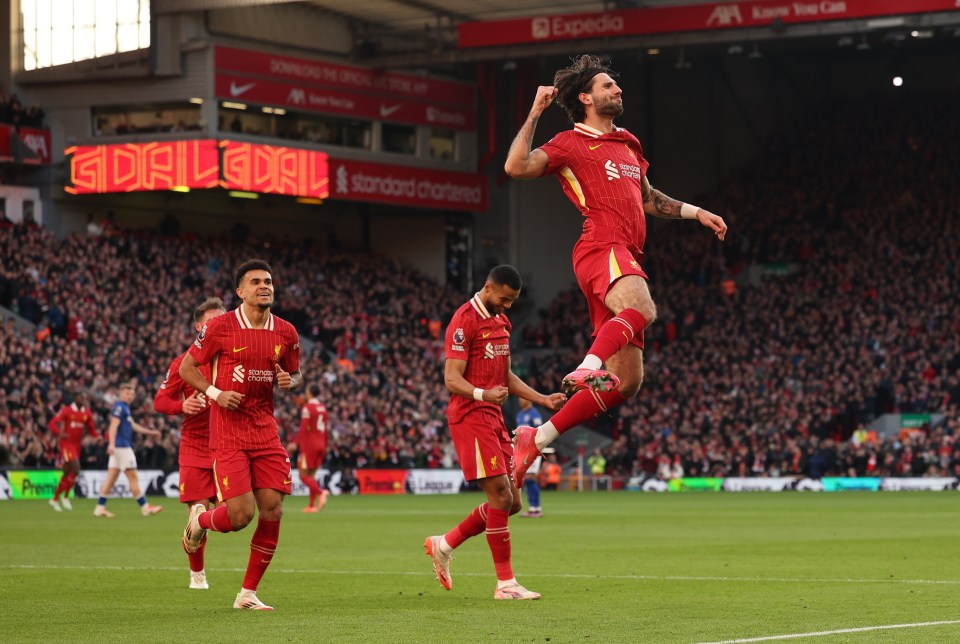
[{"x": 603, "y": 172}]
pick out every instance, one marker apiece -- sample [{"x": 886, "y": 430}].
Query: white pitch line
[
  {"x": 382, "y": 573},
  {"x": 840, "y": 631}
]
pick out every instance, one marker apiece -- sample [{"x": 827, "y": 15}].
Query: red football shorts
[
  {"x": 597, "y": 267},
  {"x": 69, "y": 452},
  {"x": 239, "y": 471},
  {"x": 196, "y": 484},
  {"x": 483, "y": 445},
  {"x": 311, "y": 459}
]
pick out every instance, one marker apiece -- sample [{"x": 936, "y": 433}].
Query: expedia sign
[{"x": 571, "y": 27}]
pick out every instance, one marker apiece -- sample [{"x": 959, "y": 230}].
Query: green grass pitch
[{"x": 612, "y": 567}]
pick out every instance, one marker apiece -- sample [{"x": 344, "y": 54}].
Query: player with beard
[
  {"x": 250, "y": 350},
  {"x": 603, "y": 172},
  {"x": 478, "y": 375}
]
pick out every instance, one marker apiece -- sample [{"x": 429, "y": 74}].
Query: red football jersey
[
  {"x": 244, "y": 360},
  {"x": 70, "y": 422},
  {"x": 313, "y": 426},
  {"x": 483, "y": 340},
  {"x": 601, "y": 175},
  {"x": 195, "y": 443}
]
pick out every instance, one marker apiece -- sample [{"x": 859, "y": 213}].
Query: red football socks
[
  {"x": 498, "y": 538},
  {"x": 473, "y": 525},
  {"x": 217, "y": 520},
  {"x": 64, "y": 486},
  {"x": 616, "y": 333},
  {"x": 584, "y": 405},
  {"x": 262, "y": 547},
  {"x": 196, "y": 559},
  {"x": 313, "y": 486}
]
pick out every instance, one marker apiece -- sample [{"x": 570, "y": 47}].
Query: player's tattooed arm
[
  {"x": 657, "y": 204},
  {"x": 296, "y": 379},
  {"x": 522, "y": 161}
]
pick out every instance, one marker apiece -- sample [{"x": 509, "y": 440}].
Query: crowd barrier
[{"x": 41, "y": 484}]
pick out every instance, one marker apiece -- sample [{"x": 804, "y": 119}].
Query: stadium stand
[{"x": 749, "y": 372}]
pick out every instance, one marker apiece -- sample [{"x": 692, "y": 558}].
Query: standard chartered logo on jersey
[
  {"x": 252, "y": 375},
  {"x": 260, "y": 375},
  {"x": 491, "y": 350}
]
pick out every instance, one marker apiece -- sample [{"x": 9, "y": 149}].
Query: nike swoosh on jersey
[
  {"x": 288, "y": 482},
  {"x": 594, "y": 147},
  {"x": 484, "y": 335},
  {"x": 236, "y": 350}
]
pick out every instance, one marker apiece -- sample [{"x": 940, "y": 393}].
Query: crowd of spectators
[
  {"x": 113, "y": 308},
  {"x": 12, "y": 111},
  {"x": 856, "y": 228},
  {"x": 830, "y": 303}
]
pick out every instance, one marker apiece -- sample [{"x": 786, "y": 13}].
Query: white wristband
[
  {"x": 478, "y": 394},
  {"x": 689, "y": 211},
  {"x": 213, "y": 393}
]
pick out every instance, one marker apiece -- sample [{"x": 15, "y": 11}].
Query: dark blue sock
[
  {"x": 102, "y": 500},
  {"x": 533, "y": 493},
  {"x": 142, "y": 501}
]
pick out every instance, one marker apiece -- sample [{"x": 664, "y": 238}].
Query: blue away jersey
[{"x": 121, "y": 412}]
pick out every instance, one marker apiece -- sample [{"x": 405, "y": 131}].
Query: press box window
[
  {"x": 443, "y": 144},
  {"x": 398, "y": 138}
]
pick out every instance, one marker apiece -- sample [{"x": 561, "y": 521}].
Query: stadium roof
[
  {"x": 405, "y": 33},
  {"x": 424, "y": 33}
]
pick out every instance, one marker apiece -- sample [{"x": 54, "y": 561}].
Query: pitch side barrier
[{"x": 42, "y": 483}]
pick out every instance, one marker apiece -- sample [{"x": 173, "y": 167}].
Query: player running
[
  {"x": 70, "y": 423},
  {"x": 176, "y": 397},
  {"x": 249, "y": 349}
]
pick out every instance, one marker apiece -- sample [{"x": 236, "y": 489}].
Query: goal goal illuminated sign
[{"x": 199, "y": 164}]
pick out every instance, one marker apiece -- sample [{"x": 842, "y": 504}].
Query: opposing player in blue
[
  {"x": 120, "y": 449},
  {"x": 529, "y": 416}
]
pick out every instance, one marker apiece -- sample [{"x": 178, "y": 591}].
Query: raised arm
[
  {"x": 522, "y": 161},
  {"x": 657, "y": 204}
]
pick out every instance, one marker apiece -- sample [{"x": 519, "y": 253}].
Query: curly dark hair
[
  {"x": 252, "y": 265},
  {"x": 576, "y": 79}
]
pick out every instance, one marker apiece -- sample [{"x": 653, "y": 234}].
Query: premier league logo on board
[{"x": 458, "y": 336}]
